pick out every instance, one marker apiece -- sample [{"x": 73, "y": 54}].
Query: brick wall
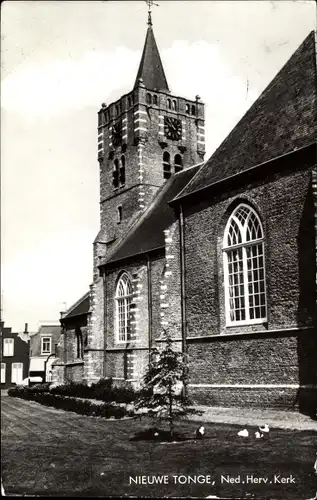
[
  {"x": 284, "y": 203},
  {"x": 281, "y": 352}
]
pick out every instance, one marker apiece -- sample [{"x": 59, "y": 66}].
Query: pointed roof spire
[{"x": 151, "y": 68}]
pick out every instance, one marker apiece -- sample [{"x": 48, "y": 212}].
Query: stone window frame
[
  {"x": 45, "y": 338},
  {"x": 243, "y": 245},
  {"x": 8, "y": 347},
  {"x": 124, "y": 283}
]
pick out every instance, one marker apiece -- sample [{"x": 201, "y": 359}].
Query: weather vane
[{"x": 149, "y": 4}]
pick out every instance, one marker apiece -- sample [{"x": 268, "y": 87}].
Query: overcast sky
[{"x": 60, "y": 61}]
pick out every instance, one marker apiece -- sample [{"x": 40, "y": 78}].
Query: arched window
[
  {"x": 187, "y": 109},
  {"x": 193, "y": 109},
  {"x": 115, "y": 174},
  {"x": 122, "y": 171},
  {"x": 123, "y": 301},
  {"x": 148, "y": 99},
  {"x": 178, "y": 163},
  {"x": 174, "y": 105},
  {"x": 169, "y": 104},
  {"x": 166, "y": 165},
  {"x": 155, "y": 100},
  {"x": 244, "y": 267}
]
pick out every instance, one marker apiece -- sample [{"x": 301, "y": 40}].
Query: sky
[{"x": 59, "y": 61}]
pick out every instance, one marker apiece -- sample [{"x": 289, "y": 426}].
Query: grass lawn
[{"x": 50, "y": 452}]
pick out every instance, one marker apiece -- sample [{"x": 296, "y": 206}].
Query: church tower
[{"x": 143, "y": 138}]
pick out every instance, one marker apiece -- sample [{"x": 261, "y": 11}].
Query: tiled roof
[
  {"x": 282, "y": 119},
  {"x": 80, "y": 307},
  {"x": 49, "y": 329},
  {"x": 148, "y": 233},
  {"x": 151, "y": 68}
]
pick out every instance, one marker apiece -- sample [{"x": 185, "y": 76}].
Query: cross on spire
[{"x": 149, "y": 4}]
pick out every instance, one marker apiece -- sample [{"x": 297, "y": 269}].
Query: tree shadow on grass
[{"x": 160, "y": 436}]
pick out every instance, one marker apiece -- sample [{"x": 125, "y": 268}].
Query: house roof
[
  {"x": 80, "y": 307},
  {"x": 282, "y": 119},
  {"x": 49, "y": 329},
  {"x": 148, "y": 233},
  {"x": 151, "y": 68}
]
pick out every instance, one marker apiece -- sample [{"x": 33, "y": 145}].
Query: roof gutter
[{"x": 246, "y": 172}]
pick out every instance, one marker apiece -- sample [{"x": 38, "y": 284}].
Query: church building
[{"x": 221, "y": 254}]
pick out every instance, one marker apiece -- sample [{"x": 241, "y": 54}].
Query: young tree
[{"x": 162, "y": 393}]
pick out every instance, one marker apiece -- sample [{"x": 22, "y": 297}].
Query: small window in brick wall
[
  {"x": 166, "y": 165},
  {"x": 148, "y": 99},
  {"x": 119, "y": 214},
  {"x": 155, "y": 100},
  {"x": 80, "y": 344},
  {"x": 178, "y": 163}
]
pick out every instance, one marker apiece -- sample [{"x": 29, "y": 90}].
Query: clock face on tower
[
  {"x": 172, "y": 128},
  {"x": 116, "y": 134}
]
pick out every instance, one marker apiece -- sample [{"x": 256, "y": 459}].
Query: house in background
[
  {"x": 70, "y": 363},
  {"x": 14, "y": 356},
  {"x": 43, "y": 352}
]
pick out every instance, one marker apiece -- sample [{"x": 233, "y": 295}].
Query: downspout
[
  {"x": 105, "y": 319},
  {"x": 183, "y": 296},
  {"x": 149, "y": 298}
]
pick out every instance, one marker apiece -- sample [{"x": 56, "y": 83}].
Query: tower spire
[{"x": 151, "y": 69}]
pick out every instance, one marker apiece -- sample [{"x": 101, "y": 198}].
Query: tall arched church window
[
  {"x": 122, "y": 171},
  {"x": 178, "y": 163},
  {"x": 244, "y": 268},
  {"x": 187, "y": 108},
  {"x": 193, "y": 109},
  {"x": 123, "y": 300},
  {"x": 174, "y": 105},
  {"x": 155, "y": 100},
  {"x": 148, "y": 99},
  {"x": 169, "y": 104},
  {"x": 166, "y": 165}
]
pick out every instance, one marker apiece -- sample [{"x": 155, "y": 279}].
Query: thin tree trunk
[{"x": 171, "y": 410}]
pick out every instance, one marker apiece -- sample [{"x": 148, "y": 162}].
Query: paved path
[{"x": 244, "y": 416}]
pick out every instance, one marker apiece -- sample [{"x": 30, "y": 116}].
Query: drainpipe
[
  {"x": 105, "y": 320},
  {"x": 149, "y": 299},
  {"x": 183, "y": 296}
]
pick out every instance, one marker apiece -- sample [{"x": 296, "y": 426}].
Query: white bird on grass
[
  {"x": 243, "y": 433},
  {"x": 200, "y": 432},
  {"x": 264, "y": 428}
]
